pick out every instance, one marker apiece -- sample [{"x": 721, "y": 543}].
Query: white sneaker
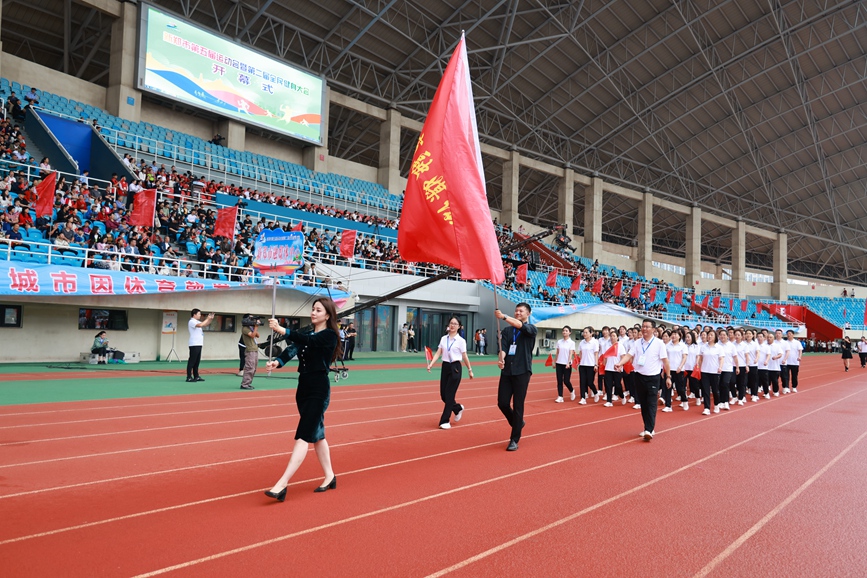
[
  {"x": 678, "y": 398},
  {"x": 240, "y": 374},
  {"x": 596, "y": 398},
  {"x": 648, "y": 435},
  {"x": 558, "y": 400},
  {"x": 755, "y": 398},
  {"x": 636, "y": 406},
  {"x": 726, "y": 406},
  {"x": 716, "y": 409},
  {"x": 776, "y": 394},
  {"x": 642, "y": 434},
  {"x": 692, "y": 396},
  {"x": 459, "y": 415},
  {"x": 572, "y": 395},
  {"x": 785, "y": 390},
  {"x": 582, "y": 402},
  {"x": 740, "y": 402},
  {"x": 767, "y": 396},
  {"x": 660, "y": 401},
  {"x": 445, "y": 426},
  {"x": 698, "y": 402},
  {"x": 608, "y": 404},
  {"x": 624, "y": 401},
  {"x": 794, "y": 390},
  {"x": 614, "y": 398},
  {"x": 705, "y": 412},
  {"x": 667, "y": 410},
  {"x": 631, "y": 399},
  {"x": 685, "y": 406}
]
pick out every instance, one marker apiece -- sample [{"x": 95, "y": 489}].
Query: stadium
[{"x": 175, "y": 174}]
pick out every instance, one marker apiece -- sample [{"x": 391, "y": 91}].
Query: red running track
[{"x": 174, "y": 486}]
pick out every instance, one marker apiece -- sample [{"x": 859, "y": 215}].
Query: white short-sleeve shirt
[
  {"x": 589, "y": 352},
  {"x": 565, "y": 347},
  {"x": 452, "y": 348},
  {"x": 197, "y": 335},
  {"x": 651, "y": 353},
  {"x": 710, "y": 354},
  {"x": 774, "y": 349},
  {"x": 795, "y": 348},
  {"x": 675, "y": 354}
]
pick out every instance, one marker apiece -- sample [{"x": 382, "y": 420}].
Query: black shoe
[
  {"x": 332, "y": 485},
  {"x": 198, "y": 379},
  {"x": 512, "y": 447},
  {"x": 190, "y": 380},
  {"x": 279, "y": 496},
  {"x": 247, "y": 387}
]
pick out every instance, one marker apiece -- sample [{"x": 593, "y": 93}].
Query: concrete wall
[
  {"x": 44, "y": 78},
  {"x": 263, "y": 146}
]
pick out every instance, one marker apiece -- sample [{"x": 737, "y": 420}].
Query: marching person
[
  {"x": 751, "y": 353},
  {"x": 784, "y": 370},
  {"x": 612, "y": 377},
  {"x": 197, "y": 340},
  {"x": 710, "y": 360},
  {"x": 846, "y": 347},
  {"x": 453, "y": 349},
  {"x": 649, "y": 357},
  {"x": 728, "y": 371},
  {"x": 862, "y": 351},
  {"x": 763, "y": 354},
  {"x": 775, "y": 354},
  {"x": 564, "y": 355},
  {"x": 588, "y": 361},
  {"x": 316, "y": 352},
  {"x": 743, "y": 368},
  {"x": 677, "y": 355},
  {"x": 794, "y": 361},
  {"x": 516, "y": 366}
]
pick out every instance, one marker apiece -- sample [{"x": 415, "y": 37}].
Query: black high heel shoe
[
  {"x": 279, "y": 496},
  {"x": 332, "y": 485}
]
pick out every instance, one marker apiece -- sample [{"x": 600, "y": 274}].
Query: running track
[{"x": 145, "y": 487}]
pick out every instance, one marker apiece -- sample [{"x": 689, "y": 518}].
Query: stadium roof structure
[{"x": 750, "y": 110}]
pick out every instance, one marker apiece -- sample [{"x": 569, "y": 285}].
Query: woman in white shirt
[
  {"x": 604, "y": 344},
  {"x": 692, "y": 352},
  {"x": 564, "y": 355},
  {"x": 742, "y": 367},
  {"x": 677, "y": 354},
  {"x": 775, "y": 354},
  {"x": 611, "y": 376},
  {"x": 729, "y": 369},
  {"x": 665, "y": 392},
  {"x": 762, "y": 356},
  {"x": 589, "y": 352},
  {"x": 794, "y": 361},
  {"x": 453, "y": 350},
  {"x": 751, "y": 353},
  {"x": 710, "y": 360}
]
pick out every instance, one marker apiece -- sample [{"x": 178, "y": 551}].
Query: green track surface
[{"x": 367, "y": 369}]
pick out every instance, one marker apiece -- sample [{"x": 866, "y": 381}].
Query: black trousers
[
  {"x": 564, "y": 376},
  {"x": 647, "y": 394},
  {"x": 784, "y": 375},
  {"x": 793, "y": 374},
  {"x": 679, "y": 379},
  {"x": 774, "y": 377},
  {"x": 764, "y": 380},
  {"x": 710, "y": 387},
  {"x": 511, "y": 393},
  {"x": 193, "y": 361},
  {"x": 694, "y": 386},
  {"x": 664, "y": 392},
  {"x": 726, "y": 380},
  {"x": 741, "y": 379},
  {"x": 612, "y": 383},
  {"x": 586, "y": 375},
  {"x": 242, "y": 353},
  {"x": 863, "y": 357},
  {"x": 450, "y": 380},
  {"x": 350, "y": 348},
  {"x": 753, "y": 380}
]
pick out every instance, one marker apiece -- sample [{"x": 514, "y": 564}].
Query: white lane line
[
  {"x": 464, "y": 488},
  {"x": 770, "y": 515}
]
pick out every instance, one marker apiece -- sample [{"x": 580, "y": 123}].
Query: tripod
[{"x": 172, "y": 350}]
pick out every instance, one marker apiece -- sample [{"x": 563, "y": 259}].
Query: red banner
[
  {"x": 225, "y": 225},
  {"x": 704, "y": 302},
  {"x": 551, "y": 281},
  {"x": 618, "y": 289},
  {"x": 678, "y": 298},
  {"x": 576, "y": 283},
  {"x": 298, "y": 226},
  {"x": 144, "y": 205},
  {"x": 347, "y": 243},
  {"x": 45, "y": 199},
  {"x": 668, "y": 296},
  {"x": 597, "y": 286},
  {"x": 652, "y": 295},
  {"x": 716, "y": 302},
  {"x": 445, "y": 196},
  {"x": 636, "y": 291},
  {"x": 521, "y": 275},
  {"x": 744, "y": 305}
]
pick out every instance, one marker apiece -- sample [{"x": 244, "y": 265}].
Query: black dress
[
  {"x": 314, "y": 388},
  {"x": 846, "y": 346}
]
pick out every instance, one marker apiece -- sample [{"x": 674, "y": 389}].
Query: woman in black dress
[
  {"x": 846, "y": 346},
  {"x": 316, "y": 352}
]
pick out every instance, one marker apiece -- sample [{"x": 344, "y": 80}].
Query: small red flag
[
  {"x": 696, "y": 372},
  {"x": 704, "y": 302},
  {"x": 628, "y": 367},
  {"x": 576, "y": 283},
  {"x": 716, "y": 302},
  {"x": 601, "y": 367},
  {"x": 445, "y": 196},
  {"x": 347, "y": 243},
  {"x": 550, "y": 361},
  {"x": 551, "y": 281},
  {"x": 731, "y": 304},
  {"x": 521, "y": 275},
  {"x": 225, "y": 225},
  {"x": 636, "y": 291},
  {"x": 45, "y": 191},
  {"x": 597, "y": 286},
  {"x": 428, "y": 354},
  {"x": 618, "y": 288},
  {"x": 298, "y": 226},
  {"x": 143, "y": 207},
  {"x": 610, "y": 352},
  {"x": 575, "y": 362},
  {"x": 668, "y": 296},
  {"x": 678, "y": 298},
  {"x": 744, "y": 305},
  {"x": 652, "y": 295}
]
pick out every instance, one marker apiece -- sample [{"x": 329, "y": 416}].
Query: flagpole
[
  {"x": 273, "y": 316},
  {"x": 497, "y": 319}
]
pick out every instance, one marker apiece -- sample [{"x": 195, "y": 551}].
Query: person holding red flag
[
  {"x": 612, "y": 376},
  {"x": 565, "y": 355},
  {"x": 677, "y": 355},
  {"x": 453, "y": 349},
  {"x": 516, "y": 367}
]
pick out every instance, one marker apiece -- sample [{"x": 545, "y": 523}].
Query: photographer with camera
[{"x": 249, "y": 333}]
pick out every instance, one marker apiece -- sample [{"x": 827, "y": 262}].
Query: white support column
[
  {"x": 234, "y": 132},
  {"x": 693, "y": 249},
  {"x": 781, "y": 267},
  {"x": 739, "y": 260},
  {"x": 644, "y": 265},
  {"x": 389, "y": 153},
  {"x": 593, "y": 220},
  {"x": 511, "y": 188},
  {"x": 122, "y": 98},
  {"x": 566, "y": 201}
]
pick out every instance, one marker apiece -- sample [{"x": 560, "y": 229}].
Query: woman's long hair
[{"x": 331, "y": 309}]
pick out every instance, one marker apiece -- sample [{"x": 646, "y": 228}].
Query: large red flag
[
  {"x": 347, "y": 243},
  {"x": 744, "y": 305},
  {"x": 445, "y": 217},
  {"x": 652, "y": 295},
  {"x": 618, "y": 289},
  {"x": 678, "y": 298},
  {"x": 45, "y": 191},
  {"x": 225, "y": 225},
  {"x": 144, "y": 205},
  {"x": 298, "y": 226},
  {"x": 865, "y": 313},
  {"x": 704, "y": 302},
  {"x": 668, "y": 296},
  {"x": 521, "y": 275},
  {"x": 636, "y": 291},
  {"x": 576, "y": 283},
  {"x": 597, "y": 287},
  {"x": 551, "y": 281},
  {"x": 716, "y": 302}
]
